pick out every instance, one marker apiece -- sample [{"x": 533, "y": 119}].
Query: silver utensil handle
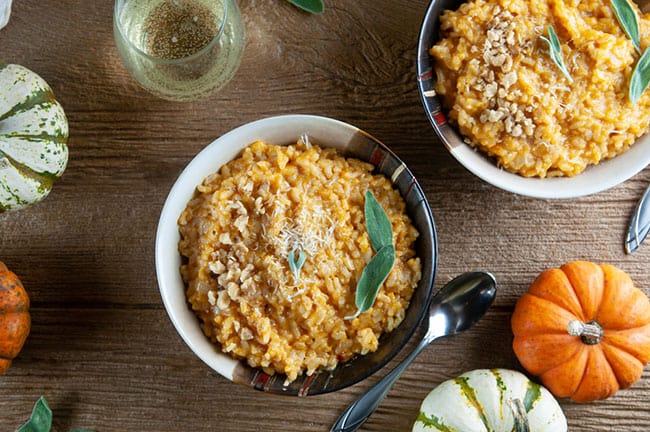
[
  {"x": 359, "y": 411},
  {"x": 639, "y": 225}
]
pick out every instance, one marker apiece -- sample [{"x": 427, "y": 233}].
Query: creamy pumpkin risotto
[
  {"x": 238, "y": 231},
  {"x": 509, "y": 99}
]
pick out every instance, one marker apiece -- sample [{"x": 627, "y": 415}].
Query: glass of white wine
[{"x": 179, "y": 50}]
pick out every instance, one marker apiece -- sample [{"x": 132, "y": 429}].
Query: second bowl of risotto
[
  {"x": 264, "y": 245},
  {"x": 532, "y": 97}
]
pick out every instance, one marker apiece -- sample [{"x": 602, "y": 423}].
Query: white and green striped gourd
[
  {"x": 5, "y": 12},
  {"x": 490, "y": 400},
  {"x": 33, "y": 136}
]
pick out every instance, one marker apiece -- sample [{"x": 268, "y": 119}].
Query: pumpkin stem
[
  {"x": 519, "y": 414},
  {"x": 591, "y": 333}
]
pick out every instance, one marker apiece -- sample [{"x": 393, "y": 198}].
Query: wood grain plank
[{"x": 102, "y": 349}]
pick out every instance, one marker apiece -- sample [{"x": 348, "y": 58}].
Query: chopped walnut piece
[
  {"x": 498, "y": 78},
  {"x": 217, "y": 267},
  {"x": 225, "y": 238},
  {"x": 241, "y": 222},
  {"x": 491, "y": 90},
  {"x": 509, "y": 79}
]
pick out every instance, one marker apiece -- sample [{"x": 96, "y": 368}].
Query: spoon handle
[
  {"x": 359, "y": 411},
  {"x": 639, "y": 225}
]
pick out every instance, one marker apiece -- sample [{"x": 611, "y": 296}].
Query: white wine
[{"x": 179, "y": 49}]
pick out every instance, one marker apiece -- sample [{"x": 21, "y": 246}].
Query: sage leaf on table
[
  {"x": 41, "y": 419},
  {"x": 628, "y": 20},
  {"x": 640, "y": 77},
  {"x": 312, "y": 6},
  {"x": 376, "y": 271},
  {"x": 555, "y": 51}
]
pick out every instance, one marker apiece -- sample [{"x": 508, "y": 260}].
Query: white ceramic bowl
[
  {"x": 286, "y": 130},
  {"x": 594, "y": 179}
]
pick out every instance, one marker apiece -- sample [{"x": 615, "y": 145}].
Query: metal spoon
[
  {"x": 639, "y": 225},
  {"x": 455, "y": 308}
]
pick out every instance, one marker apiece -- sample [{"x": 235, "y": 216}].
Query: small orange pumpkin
[
  {"x": 584, "y": 329},
  {"x": 15, "y": 321}
]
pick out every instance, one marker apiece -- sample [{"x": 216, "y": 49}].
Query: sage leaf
[
  {"x": 555, "y": 51},
  {"x": 640, "y": 77},
  {"x": 378, "y": 226},
  {"x": 312, "y": 6},
  {"x": 627, "y": 18},
  {"x": 372, "y": 277},
  {"x": 295, "y": 264},
  {"x": 376, "y": 271},
  {"x": 40, "y": 420}
]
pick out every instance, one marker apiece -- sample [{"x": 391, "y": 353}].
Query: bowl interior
[
  {"x": 595, "y": 178},
  {"x": 286, "y": 130}
]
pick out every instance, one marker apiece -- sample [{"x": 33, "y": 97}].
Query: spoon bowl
[
  {"x": 460, "y": 304},
  {"x": 455, "y": 308}
]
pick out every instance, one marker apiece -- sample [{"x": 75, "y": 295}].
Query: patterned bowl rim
[
  {"x": 594, "y": 179},
  {"x": 283, "y": 130}
]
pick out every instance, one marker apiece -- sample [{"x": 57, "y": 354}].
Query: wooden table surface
[{"x": 102, "y": 349}]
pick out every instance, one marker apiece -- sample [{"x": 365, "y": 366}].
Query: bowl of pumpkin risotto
[
  {"x": 544, "y": 98},
  {"x": 296, "y": 255}
]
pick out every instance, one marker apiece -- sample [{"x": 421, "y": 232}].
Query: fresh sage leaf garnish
[
  {"x": 376, "y": 271},
  {"x": 312, "y": 6},
  {"x": 640, "y": 77},
  {"x": 628, "y": 20},
  {"x": 378, "y": 226},
  {"x": 296, "y": 263},
  {"x": 555, "y": 51},
  {"x": 41, "y": 419},
  {"x": 372, "y": 277}
]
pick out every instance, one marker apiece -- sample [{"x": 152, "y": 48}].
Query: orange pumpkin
[
  {"x": 15, "y": 321},
  {"x": 584, "y": 329}
]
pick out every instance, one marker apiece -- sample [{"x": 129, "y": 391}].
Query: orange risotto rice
[
  {"x": 510, "y": 100},
  {"x": 237, "y": 232}
]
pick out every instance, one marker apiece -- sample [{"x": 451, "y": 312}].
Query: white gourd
[
  {"x": 5, "y": 11},
  {"x": 482, "y": 401},
  {"x": 33, "y": 136}
]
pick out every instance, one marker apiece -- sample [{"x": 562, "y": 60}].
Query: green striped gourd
[
  {"x": 490, "y": 400},
  {"x": 33, "y": 136},
  {"x": 5, "y": 12}
]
